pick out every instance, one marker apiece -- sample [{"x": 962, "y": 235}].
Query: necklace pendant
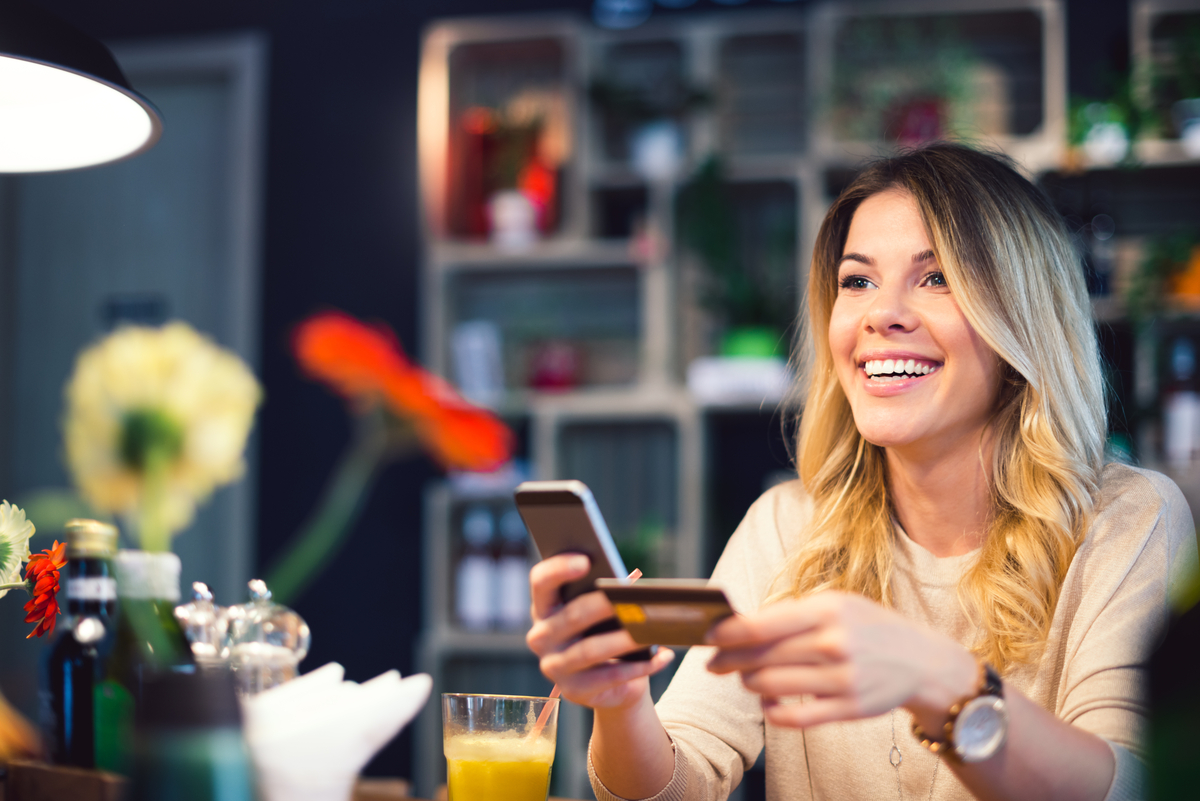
[{"x": 895, "y": 757}]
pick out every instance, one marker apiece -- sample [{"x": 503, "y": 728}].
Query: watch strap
[{"x": 989, "y": 684}]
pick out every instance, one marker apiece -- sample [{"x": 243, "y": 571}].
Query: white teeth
[{"x": 896, "y": 367}]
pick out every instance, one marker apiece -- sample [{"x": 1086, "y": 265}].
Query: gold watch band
[{"x": 945, "y": 743}]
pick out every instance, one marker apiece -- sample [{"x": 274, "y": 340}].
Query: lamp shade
[{"x": 64, "y": 102}]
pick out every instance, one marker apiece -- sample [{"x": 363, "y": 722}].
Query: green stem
[
  {"x": 20, "y": 585},
  {"x": 155, "y": 535},
  {"x": 325, "y": 531}
]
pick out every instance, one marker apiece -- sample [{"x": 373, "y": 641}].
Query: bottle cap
[{"x": 90, "y": 538}]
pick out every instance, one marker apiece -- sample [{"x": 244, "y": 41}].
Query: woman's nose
[{"x": 891, "y": 312}]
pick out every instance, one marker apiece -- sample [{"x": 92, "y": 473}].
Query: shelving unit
[
  {"x": 1156, "y": 194},
  {"x": 608, "y": 277}
]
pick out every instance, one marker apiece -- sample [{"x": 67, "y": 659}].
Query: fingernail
[{"x": 579, "y": 562}]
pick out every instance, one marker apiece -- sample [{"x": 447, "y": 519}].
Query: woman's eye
[
  {"x": 935, "y": 279},
  {"x": 854, "y": 282}
]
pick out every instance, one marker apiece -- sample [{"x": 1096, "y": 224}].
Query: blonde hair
[{"x": 1017, "y": 280}]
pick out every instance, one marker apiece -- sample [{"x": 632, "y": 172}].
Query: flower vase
[{"x": 149, "y": 641}]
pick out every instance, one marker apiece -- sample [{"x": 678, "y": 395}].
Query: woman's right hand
[{"x": 584, "y": 668}]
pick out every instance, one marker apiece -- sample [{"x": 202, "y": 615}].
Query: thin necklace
[{"x": 895, "y": 758}]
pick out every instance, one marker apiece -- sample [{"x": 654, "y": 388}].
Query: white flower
[
  {"x": 172, "y": 388},
  {"x": 15, "y": 532}
]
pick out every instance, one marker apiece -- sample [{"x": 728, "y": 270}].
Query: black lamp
[{"x": 64, "y": 102}]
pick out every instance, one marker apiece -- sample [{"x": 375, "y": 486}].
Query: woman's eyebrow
[
  {"x": 924, "y": 255},
  {"x": 858, "y": 257}
]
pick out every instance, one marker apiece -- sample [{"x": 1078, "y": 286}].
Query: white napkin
[{"x": 311, "y": 736}]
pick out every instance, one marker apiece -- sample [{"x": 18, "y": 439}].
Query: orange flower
[
  {"x": 366, "y": 363},
  {"x": 42, "y": 575}
]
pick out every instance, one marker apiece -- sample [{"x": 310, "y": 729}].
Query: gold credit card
[{"x": 666, "y": 611}]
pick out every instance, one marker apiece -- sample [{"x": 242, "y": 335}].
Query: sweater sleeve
[
  {"x": 715, "y": 724},
  {"x": 1140, "y": 545}
]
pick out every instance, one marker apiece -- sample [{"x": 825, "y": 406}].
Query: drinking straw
[{"x": 544, "y": 717}]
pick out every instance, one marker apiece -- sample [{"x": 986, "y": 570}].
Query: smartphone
[
  {"x": 667, "y": 611},
  {"x": 562, "y": 517}
]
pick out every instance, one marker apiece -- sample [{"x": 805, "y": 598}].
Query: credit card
[{"x": 666, "y": 611}]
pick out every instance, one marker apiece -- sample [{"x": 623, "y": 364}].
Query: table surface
[
  {"x": 34, "y": 781},
  {"x": 397, "y": 790}
]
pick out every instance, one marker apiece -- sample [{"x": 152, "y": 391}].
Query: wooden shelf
[
  {"x": 548, "y": 254},
  {"x": 1162, "y": 153}
]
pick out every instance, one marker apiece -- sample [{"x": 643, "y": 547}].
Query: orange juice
[{"x": 507, "y": 766}]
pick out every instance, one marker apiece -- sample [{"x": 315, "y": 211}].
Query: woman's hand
[
  {"x": 852, "y": 657},
  {"x": 584, "y": 669}
]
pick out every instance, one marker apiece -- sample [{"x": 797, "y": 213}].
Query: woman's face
[{"x": 914, "y": 370}]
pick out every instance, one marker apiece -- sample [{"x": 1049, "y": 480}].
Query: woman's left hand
[{"x": 854, "y": 658}]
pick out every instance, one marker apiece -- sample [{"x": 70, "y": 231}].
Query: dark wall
[{"x": 341, "y": 230}]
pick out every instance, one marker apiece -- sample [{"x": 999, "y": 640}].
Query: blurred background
[{"x": 595, "y": 216}]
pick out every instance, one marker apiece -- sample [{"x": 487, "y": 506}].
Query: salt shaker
[
  {"x": 206, "y": 626},
  {"x": 266, "y": 641}
]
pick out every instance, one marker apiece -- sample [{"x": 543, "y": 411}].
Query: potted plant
[
  {"x": 749, "y": 294},
  {"x": 908, "y": 82}
]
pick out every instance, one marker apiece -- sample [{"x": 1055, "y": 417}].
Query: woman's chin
[{"x": 886, "y": 433}]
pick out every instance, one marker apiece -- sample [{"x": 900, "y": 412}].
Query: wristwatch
[{"x": 977, "y": 726}]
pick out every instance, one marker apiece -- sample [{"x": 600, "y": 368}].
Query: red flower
[
  {"x": 366, "y": 363},
  {"x": 42, "y": 575}
]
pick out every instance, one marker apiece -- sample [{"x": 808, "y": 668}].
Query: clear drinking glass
[{"x": 498, "y": 747}]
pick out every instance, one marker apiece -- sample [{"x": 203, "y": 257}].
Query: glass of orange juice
[{"x": 498, "y": 747}]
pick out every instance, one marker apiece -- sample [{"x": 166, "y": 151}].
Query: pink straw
[{"x": 544, "y": 717}]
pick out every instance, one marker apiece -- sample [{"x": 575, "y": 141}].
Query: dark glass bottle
[
  {"x": 73, "y": 661},
  {"x": 148, "y": 641}
]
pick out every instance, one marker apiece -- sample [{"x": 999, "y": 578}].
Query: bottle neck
[
  {"x": 143, "y": 576},
  {"x": 91, "y": 587}
]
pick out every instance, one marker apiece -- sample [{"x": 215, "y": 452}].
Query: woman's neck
[{"x": 943, "y": 501}]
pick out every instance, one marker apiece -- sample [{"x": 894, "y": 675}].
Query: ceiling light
[{"x": 64, "y": 102}]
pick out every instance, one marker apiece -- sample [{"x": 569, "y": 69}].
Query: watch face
[{"x": 981, "y": 728}]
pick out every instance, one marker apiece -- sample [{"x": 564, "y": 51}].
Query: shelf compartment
[
  {"x": 991, "y": 84},
  {"x": 641, "y": 81},
  {"x": 590, "y": 316},
  {"x": 761, "y": 95},
  {"x": 1168, "y": 27},
  {"x": 761, "y": 220},
  {"x": 509, "y": 127},
  {"x": 631, "y": 466},
  {"x": 1146, "y": 202}
]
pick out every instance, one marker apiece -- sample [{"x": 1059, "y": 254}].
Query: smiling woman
[{"x": 957, "y": 560}]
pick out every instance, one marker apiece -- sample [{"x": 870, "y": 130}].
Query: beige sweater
[{"x": 1113, "y": 602}]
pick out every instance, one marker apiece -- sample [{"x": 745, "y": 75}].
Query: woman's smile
[{"x": 891, "y": 372}]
